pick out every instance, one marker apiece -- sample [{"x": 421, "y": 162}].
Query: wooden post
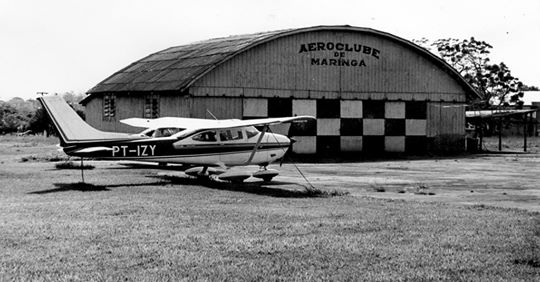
[
  {"x": 500, "y": 134},
  {"x": 481, "y": 134},
  {"x": 525, "y": 132},
  {"x": 82, "y": 170}
]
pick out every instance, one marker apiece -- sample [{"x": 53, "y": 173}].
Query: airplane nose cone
[{"x": 282, "y": 139}]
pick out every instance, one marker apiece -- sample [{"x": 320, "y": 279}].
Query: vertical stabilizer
[{"x": 71, "y": 127}]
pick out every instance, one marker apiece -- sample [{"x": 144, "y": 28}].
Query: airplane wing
[
  {"x": 233, "y": 123},
  {"x": 166, "y": 122},
  {"x": 230, "y": 123},
  {"x": 191, "y": 124}
]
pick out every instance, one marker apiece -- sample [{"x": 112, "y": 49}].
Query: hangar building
[{"x": 371, "y": 91}]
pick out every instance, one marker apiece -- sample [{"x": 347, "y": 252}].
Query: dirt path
[{"x": 504, "y": 180}]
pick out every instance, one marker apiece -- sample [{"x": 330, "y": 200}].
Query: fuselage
[{"x": 228, "y": 147}]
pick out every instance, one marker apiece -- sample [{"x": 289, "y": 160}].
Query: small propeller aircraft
[{"x": 209, "y": 147}]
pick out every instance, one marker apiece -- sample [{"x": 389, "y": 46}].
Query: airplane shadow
[
  {"x": 271, "y": 189},
  {"x": 88, "y": 187},
  {"x": 257, "y": 188},
  {"x": 77, "y": 186}
]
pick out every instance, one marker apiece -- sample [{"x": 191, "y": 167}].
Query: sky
[{"x": 58, "y": 46}]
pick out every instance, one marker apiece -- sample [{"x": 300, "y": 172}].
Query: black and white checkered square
[{"x": 368, "y": 126}]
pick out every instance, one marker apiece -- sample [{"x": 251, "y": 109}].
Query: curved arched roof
[{"x": 176, "y": 68}]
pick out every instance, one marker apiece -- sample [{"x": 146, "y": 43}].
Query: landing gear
[
  {"x": 234, "y": 176},
  {"x": 266, "y": 174}
]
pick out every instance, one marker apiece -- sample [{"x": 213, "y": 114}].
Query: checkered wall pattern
[{"x": 368, "y": 126}]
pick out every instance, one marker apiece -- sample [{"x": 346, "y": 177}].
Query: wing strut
[{"x": 265, "y": 128}]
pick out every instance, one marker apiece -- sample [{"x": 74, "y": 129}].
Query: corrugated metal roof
[{"x": 176, "y": 68}]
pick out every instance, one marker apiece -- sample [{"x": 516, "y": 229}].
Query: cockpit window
[
  {"x": 161, "y": 132},
  {"x": 148, "y": 133},
  {"x": 231, "y": 134},
  {"x": 207, "y": 136},
  {"x": 251, "y": 131},
  {"x": 166, "y": 132}
]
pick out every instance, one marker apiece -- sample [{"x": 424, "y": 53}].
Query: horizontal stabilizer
[{"x": 93, "y": 150}]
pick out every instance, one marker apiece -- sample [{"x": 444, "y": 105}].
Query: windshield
[{"x": 251, "y": 132}]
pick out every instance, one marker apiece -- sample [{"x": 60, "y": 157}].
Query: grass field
[{"x": 137, "y": 224}]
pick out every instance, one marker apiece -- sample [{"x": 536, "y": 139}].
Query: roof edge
[
  {"x": 273, "y": 35},
  {"x": 288, "y": 32}
]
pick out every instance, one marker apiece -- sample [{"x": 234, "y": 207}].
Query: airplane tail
[{"x": 71, "y": 127}]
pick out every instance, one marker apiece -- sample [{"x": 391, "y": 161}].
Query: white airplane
[{"x": 211, "y": 147}]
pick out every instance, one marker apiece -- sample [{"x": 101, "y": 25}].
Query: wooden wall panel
[
  {"x": 282, "y": 65},
  {"x": 304, "y": 107},
  {"x": 445, "y": 119},
  {"x": 328, "y": 126},
  {"x": 221, "y": 108},
  {"x": 93, "y": 112},
  {"x": 351, "y": 143},
  {"x": 305, "y": 145},
  {"x": 351, "y": 109},
  {"x": 394, "y": 144},
  {"x": 174, "y": 106},
  {"x": 128, "y": 106},
  {"x": 394, "y": 110},
  {"x": 255, "y": 107}
]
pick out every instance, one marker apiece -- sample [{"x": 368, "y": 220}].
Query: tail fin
[{"x": 71, "y": 127}]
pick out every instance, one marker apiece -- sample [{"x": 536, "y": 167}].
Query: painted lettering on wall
[{"x": 339, "y": 51}]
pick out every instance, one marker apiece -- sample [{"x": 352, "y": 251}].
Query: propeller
[{"x": 292, "y": 141}]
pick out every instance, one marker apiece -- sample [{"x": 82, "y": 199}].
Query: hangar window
[
  {"x": 151, "y": 106},
  {"x": 109, "y": 107}
]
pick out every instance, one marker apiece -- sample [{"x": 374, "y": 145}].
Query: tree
[
  {"x": 503, "y": 88},
  {"x": 10, "y": 119},
  {"x": 470, "y": 58},
  {"x": 530, "y": 88},
  {"x": 41, "y": 122},
  {"x": 20, "y": 115}
]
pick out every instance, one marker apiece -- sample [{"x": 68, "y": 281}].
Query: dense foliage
[
  {"x": 19, "y": 115},
  {"x": 470, "y": 57}
]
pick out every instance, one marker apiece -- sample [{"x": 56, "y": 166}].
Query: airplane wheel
[
  {"x": 267, "y": 179},
  {"x": 266, "y": 175}
]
